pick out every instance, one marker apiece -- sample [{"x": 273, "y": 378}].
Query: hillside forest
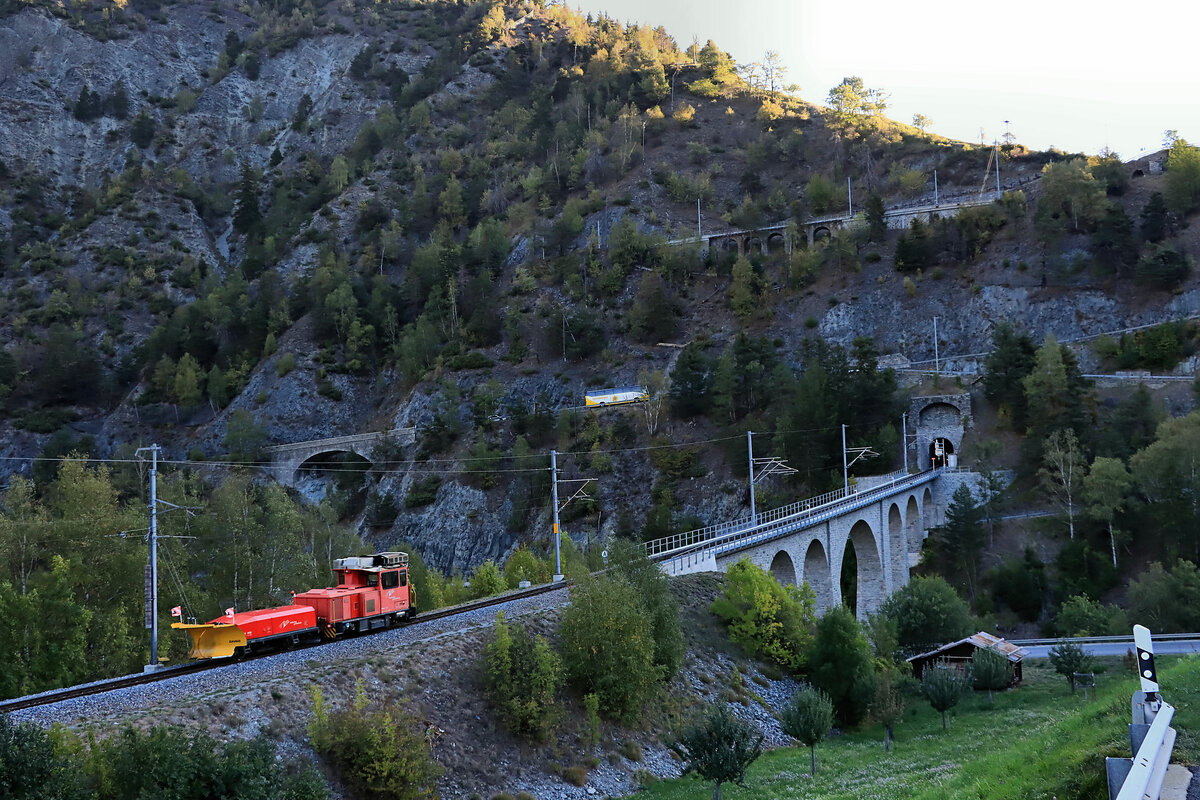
[{"x": 309, "y": 219}]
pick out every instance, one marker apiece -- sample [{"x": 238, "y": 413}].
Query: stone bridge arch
[
  {"x": 913, "y": 534},
  {"x": 870, "y": 582},
  {"x": 897, "y": 545},
  {"x": 819, "y": 576},
  {"x": 287, "y": 459},
  {"x": 783, "y": 569}
]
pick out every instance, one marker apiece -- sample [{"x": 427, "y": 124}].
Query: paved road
[{"x": 1174, "y": 647}]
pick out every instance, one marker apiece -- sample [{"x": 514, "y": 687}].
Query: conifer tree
[{"x": 248, "y": 216}]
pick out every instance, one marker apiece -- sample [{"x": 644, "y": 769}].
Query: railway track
[{"x": 114, "y": 684}]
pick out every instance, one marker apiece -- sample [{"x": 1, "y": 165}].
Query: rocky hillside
[{"x": 223, "y": 227}]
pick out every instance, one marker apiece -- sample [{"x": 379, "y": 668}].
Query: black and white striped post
[{"x": 1151, "y": 737}]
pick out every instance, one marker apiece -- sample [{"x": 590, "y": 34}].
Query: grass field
[{"x": 1037, "y": 741}]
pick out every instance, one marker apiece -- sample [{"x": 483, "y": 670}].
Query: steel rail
[
  {"x": 113, "y": 684},
  {"x": 1158, "y": 637}
]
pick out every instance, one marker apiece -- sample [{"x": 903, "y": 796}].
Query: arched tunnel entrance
[{"x": 941, "y": 453}]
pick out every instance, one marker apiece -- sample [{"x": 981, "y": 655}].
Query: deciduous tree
[
  {"x": 943, "y": 686},
  {"x": 1069, "y": 658},
  {"x": 887, "y": 706},
  {"x": 719, "y": 747},
  {"x": 1105, "y": 492},
  {"x": 991, "y": 670},
  {"x": 927, "y": 612},
  {"x": 1063, "y": 472},
  {"x": 807, "y": 718},
  {"x": 607, "y": 646}
]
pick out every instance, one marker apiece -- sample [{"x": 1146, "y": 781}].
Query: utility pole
[
  {"x": 849, "y": 197},
  {"x": 937, "y": 368},
  {"x": 750, "y": 450},
  {"x": 859, "y": 453},
  {"x": 153, "y": 604},
  {"x": 997, "y": 144},
  {"x": 699, "y": 227},
  {"x": 558, "y": 576},
  {"x": 935, "y": 188},
  {"x": 904, "y": 438},
  {"x": 768, "y": 466},
  {"x": 845, "y": 466}
]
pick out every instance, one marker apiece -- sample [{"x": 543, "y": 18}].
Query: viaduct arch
[
  {"x": 287, "y": 459},
  {"x": 885, "y": 537}
]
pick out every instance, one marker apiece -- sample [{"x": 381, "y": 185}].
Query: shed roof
[{"x": 984, "y": 640}]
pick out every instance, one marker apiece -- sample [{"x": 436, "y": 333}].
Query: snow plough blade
[{"x": 213, "y": 641}]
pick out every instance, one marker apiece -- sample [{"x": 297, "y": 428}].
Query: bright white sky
[{"x": 1073, "y": 75}]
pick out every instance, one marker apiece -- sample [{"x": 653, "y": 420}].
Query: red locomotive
[{"x": 372, "y": 592}]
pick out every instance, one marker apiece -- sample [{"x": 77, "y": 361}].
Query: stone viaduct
[
  {"x": 287, "y": 459},
  {"x": 884, "y": 520},
  {"x": 762, "y": 239}
]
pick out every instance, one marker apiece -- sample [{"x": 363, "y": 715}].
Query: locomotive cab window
[
  {"x": 372, "y": 579},
  {"x": 391, "y": 580}
]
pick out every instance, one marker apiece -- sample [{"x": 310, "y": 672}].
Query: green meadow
[{"x": 1036, "y": 741}]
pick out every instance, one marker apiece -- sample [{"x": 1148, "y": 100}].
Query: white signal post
[{"x": 1145, "y": 659}]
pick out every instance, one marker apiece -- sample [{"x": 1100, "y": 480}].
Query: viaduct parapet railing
[{"x": 705, "y": 544}]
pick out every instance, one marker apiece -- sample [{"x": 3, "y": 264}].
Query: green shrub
[
  {"x": 765, "y": 619},
  {"x": 653, "y": 589},
  {"x": 591, "y": 712},
  {"x": 45, "y": 420},
  {"x": 522, "y": 679},
  {"x": 631, "y": 750},
  {"x": 285, "y": 364},
  {"x": 607, "y": 646},
  {"x": 378, "y": 753},
  {"x": 1167, "y": 601},
  {"x": 472, "y": 360},
  {"x": 927, "y": 611},
  {"x": 422, "y": 492},
  {"x": 576, "y": 776},
  {"x": 677, "y": 462},
  {"x": 991, "y": 670},
  {"x": 487, "y": 580},
  {"x": 523, "y": 565},
  {"x": 1082, "y": 616}
]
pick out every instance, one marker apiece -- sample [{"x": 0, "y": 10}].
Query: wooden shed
[{"x": 959, "y": 654}]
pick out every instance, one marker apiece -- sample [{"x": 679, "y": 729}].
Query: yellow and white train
[{"x": 616, "y": 397}]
